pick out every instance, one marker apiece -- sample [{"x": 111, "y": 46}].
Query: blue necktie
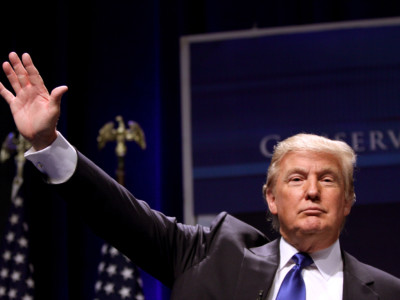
[{"x": 293, "y": 287}]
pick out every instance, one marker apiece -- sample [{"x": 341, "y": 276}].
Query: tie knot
[{"x": 303, "y": 260}]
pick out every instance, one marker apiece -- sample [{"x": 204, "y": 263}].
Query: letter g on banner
[{"x": 267, "y": 144}]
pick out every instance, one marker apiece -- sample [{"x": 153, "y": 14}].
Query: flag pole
[
  {"x": 15, "y": 144},
  {"x": 127, "y": 284}
]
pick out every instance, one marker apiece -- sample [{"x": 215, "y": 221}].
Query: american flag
[
  {"x": 16, "y": 273},
  {"x": 118, "y": 277}
]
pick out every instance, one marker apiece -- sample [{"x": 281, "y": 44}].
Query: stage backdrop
[{"x": 242, "y": 92}]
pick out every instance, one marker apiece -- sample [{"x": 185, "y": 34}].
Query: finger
[
  {"x": 33, "y": 73},
  {"x": 6, "y": 94},
  {"x": 57, "y": 94},
  {"x": 12, "y": 77},
  {"x": 19, "y": 69}
]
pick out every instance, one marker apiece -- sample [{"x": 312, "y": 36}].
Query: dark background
[{"x": 120, "y": 57}]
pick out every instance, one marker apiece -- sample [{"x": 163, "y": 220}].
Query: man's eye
[
  {"x": 295, "y": 179},
  {"x": 327, "y": 179}
]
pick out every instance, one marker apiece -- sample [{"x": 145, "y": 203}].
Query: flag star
[
  {"x": 104, "y": 249},
  {"x": 4, "y": 273},
  {"x": 30, "y": 283},
  {"x": 27, "y": 297},
  {"x": 7, "y": 255},
  {"x": 2, "y": 291},
  {"x": 109, "y": 288},
  {"x": 19, "y": 258},
  {"x": 23, "y": 242},
  {"x": 14, "y": 219},
  {"x": 139, "y": 281},
  {"x": 26, "y": 227},
  {"x": 12, "y": 294},
  {"x": 15, "y": 276},
  {"x": 98, "y": 285},
  {"x": 111, "y": 270},
  {"x": 125, "y": 292},
  {"x": 18, "y": 201},
  {"x": 101, "y": 267},
  {"x": 113, "y": 251},
  {"x": 139, "y": 296},
  {"x": 127, "y": 273},
  {"x": 10, "y": 237}
]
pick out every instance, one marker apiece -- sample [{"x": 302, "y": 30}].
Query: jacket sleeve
[{"x": 158, "y": 244}]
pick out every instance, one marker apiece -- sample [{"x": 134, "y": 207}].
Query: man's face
[{"x": 309, "y": 197}]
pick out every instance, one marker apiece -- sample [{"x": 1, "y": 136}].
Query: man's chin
[
  {"x": 304, "y": 229},
  {"x": 311, "y": 225}
]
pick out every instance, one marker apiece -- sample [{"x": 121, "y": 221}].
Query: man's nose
[{"x": 313, "y": 190}]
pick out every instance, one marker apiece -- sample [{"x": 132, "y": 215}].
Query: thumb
[{"x": 58, "y": 92}]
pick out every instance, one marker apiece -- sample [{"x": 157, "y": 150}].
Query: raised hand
[{"x": 35, "y": 111}]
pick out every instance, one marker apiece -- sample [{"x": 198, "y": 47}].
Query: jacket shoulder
[
  {"x": 384, "y": 280},
  {"x": 382, "y": 283},
  {"x": 227, "y": 227}
]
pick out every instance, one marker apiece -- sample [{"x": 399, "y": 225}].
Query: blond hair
[{"x": 314, "y": 143}]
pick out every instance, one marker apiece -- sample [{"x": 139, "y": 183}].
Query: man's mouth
[{"x": 312, "y": 211}]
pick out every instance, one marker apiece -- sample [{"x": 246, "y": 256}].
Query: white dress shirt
[
  {"x": 323, "y": 278},
  {"x": 58, "y": 161}
]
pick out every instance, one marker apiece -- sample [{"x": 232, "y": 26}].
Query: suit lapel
[
  {"x": 357, "y": 282},
  {"x": 257, "y": 271},
  {"x": 259, "y": 266}
]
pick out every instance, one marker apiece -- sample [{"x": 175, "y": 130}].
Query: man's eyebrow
[
  {"x": 328, "y": 170},
  {"x": 324, "y": 171},
  {"x": 295, "y": 170}
]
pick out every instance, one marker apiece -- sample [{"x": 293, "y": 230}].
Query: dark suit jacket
[{"x": 229, "y": 260}]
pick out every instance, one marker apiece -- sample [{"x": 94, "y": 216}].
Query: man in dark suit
[{"x": 309, "y": 192}]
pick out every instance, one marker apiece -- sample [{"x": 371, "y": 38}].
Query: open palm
[{"x": 35, "y": 111}]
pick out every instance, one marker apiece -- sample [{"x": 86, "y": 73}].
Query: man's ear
[
  {"x": 271, "y": 201},
  {"x": 348, "y": 205}
]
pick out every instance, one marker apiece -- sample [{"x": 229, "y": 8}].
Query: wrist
[{"x": 43, "y": 141}]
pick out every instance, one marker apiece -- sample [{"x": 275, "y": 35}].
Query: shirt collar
[{"x": 328, "y": 261}]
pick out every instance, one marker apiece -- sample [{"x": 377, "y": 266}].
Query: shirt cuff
[{"x": 58, "y": 161}]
